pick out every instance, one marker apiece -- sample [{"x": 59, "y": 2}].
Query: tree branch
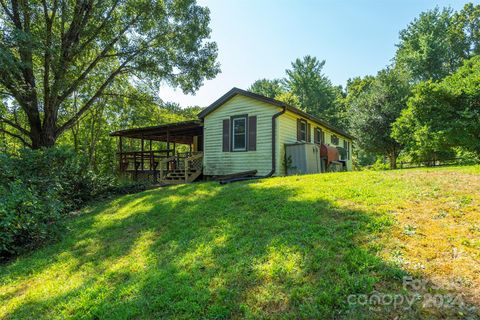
[
  {"x": 97, "y": 59},
  {"x": 7, "y": 11},
  {"x": 16, "y": 15},
  {"x": 47, "y": 54},
  {"x": 16, "y": 136},
  {"x": 88, "y": 104},
  {"x": 15, "y": 125},
  {"x": 97, "y": 30}
]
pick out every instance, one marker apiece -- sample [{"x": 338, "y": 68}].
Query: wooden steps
[
  {"x": 192, "y": 165},
  {"x": 178, "y": 176}
]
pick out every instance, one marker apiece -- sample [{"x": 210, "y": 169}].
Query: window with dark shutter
[
  {"x": 298, "y": 129},
  {"x": 301, "y": 130},
  {"x": 309, "y": 133},
  {"x": 239, "y": 133},
  {"x": 252, "y": 133},
  {"x": 226, "y": 135},
  {"x": 334, "y": 139},
  {"x": 318, "y": 136}
]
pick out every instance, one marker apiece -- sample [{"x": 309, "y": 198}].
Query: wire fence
[{"x": 432, "y": 163}]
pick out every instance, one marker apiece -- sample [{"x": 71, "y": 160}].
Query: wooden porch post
[
  {"x": 168, "y": 146},
  {"x": 151, "y": 155},
  {"x": 120, "y": 154},
  {"x": 168, "y": 143},
  {"x": 135, "y": 164},
  {"x": 141, "y": 157}
]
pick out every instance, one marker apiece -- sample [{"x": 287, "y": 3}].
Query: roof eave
[{"x": 234, "y": 91}]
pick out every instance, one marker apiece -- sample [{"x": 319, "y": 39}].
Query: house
[{"x": 241, "y": 132}]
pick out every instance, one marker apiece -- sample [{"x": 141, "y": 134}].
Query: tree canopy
[
  {"x": 443, "y": 116},
  {"x": 315, "y": 92},
  {"x": 374, "y": 105},
  {"x": 308, "y": 88},
  {"x": 268, "y": 88},
  {"x": 58, "y": 57},
  {"x": 435, "y": 44}
]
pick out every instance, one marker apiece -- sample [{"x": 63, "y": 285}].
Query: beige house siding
[
  {"x": 287, "y": 133},
  {"x": 217, "y": 162}
]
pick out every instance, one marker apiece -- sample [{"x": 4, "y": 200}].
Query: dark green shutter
[
  {"x": 226, "y": 135},
  {"x": 298, "y": 129},
  {"x": 252, "y": 133}
]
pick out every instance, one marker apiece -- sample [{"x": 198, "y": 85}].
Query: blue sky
[{"x": 259, "y": 39}]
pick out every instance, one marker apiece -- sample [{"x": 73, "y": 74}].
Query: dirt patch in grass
[{"x": 437, "y": 234}]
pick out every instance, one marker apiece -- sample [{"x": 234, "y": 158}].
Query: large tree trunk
[
  {"x": 393, "y": 160},
  {"x": 43, "y": 138}
]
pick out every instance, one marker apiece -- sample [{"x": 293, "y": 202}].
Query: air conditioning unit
[{"x": 302, "y": 158}]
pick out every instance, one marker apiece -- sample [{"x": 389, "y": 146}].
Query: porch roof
[{"x": 179, "y": 132}]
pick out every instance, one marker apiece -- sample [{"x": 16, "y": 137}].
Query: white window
[{"x": 239, "y": 134}]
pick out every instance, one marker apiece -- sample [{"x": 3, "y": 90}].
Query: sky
[{"x": 260, "y": 38}]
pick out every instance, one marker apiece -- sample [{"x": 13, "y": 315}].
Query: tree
[
  {"x": 315, "y": 92},
  {"x": 268, "y": 88},
  {"x": 50, "y": 50},
  {"x": 443, "y": 116},
  {"x": 374, "y": 105},
  {"x": 289, "y": 98},
  {"x": 435, "y": 44},
  {"x": 123, "y": 106}
]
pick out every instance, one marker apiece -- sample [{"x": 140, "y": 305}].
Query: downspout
[{"x": 274, "y": 162}]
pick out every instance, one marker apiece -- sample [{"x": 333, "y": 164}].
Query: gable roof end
[{"x": 234, "y": 91}]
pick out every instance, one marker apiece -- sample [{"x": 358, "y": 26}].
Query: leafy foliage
[
  {"x": 433, "y": 127},
  {"x": 306, "y": 87},
  {"x": 289, "y": 98},
  {"x": 58, "y": 58},
  {"x": 314, "y": 90},
  {"x": 133, "y": 107},
  {"x": 268, "y": 88},
  {"x": 435, "y": 44},
  {"x": 38, "y": 188},
  {"x": 374, "y": 105},
  {"x": 443, "y": 116},
  {"x": 30, "y": 213}
]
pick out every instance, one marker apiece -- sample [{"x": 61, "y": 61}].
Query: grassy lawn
[{"x": 294, "y": 247}]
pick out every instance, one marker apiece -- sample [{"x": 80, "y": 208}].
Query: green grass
[{"x": 293, "y": 247}]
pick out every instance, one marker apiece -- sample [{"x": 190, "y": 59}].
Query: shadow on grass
[{"x": 207, "y": 251}]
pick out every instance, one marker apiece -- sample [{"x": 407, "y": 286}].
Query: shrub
[
  {"x": 37, "y": 190},
  {"x": 380, "y": 164},
  {"x": 60, "y": 170},
  {"x": 30, "y": 209},
  {"x": 28, "y": 217}
]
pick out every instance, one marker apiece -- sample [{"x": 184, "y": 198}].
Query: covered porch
[{"x": 166, "y": 154}]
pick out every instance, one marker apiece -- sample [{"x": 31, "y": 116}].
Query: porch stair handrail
[
  {"x": 199, "y": 155},
  {"x": 166, "y": 161}
]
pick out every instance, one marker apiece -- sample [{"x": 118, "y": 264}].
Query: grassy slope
[{"x": 281, "y": 247}]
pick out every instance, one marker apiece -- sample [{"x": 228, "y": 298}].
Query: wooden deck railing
[
  {"x": 181, "y": 168},
  {"x": 156, "y": 165},
  {"x": 194, "y": 162},
  {"x": 166, "y": 162}
]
